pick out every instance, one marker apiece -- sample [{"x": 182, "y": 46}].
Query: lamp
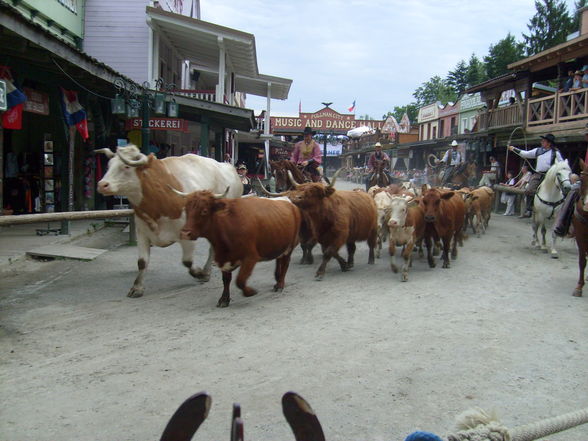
[
  {"x": 118, "y": 105},
  {"x": 172, "y": 109},
  {"x": 133, "y": 109},
  {"x": 159, "y": 106}
]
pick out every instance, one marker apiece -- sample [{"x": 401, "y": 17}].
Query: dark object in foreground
[{"x": 191, "y": 414}]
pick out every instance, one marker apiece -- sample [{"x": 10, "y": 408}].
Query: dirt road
[{"x": 376, "y": 358}]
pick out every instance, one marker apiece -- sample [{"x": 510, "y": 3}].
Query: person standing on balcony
[
  {"x": 307, "y": 154},
  {"x": 569, "y": 82},
  {"x": 546, "y": 156},
  {"x": 577, "y": 83},
  {"x": 585, "y": 76}
]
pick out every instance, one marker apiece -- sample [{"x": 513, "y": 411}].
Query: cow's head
[
  {"x": 200, "y": 207},
  {"x": 382, "y": 200},
  {"x": 121, "y": 177},
  {"x": 399, "y": 206},
  {"x": 310, "y": 195},
  {"x": 431, "y": 203}
]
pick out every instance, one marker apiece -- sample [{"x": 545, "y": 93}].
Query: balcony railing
[
  {"x": 501, "y": 117},
  {"x": 206, "y": 95},
  {"x": 558, "y": 108}
]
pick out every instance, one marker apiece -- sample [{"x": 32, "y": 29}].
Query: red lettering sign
[
  {"x": 326, "y": 120},
  {"x": 176, "y": 124}
]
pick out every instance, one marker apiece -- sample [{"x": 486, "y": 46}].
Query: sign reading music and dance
[{"x": 325, "y": 119}]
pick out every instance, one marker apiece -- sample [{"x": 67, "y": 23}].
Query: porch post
[
  {"x": 220, "y": 88},
  {"x": 266, "y": 128},
  {"x": 203, "y": 136}
]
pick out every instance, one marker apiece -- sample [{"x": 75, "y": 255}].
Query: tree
[
  {"x": 501, "y": 54},
  {"x": 365, "y": 117},
  {"x": 412, "y": 110},
  {"x": 476, "y": 71},
  {"x": 436, "y": 89},
  {"x": 575, "y": 16},
  {"x": 457, "y": 78},
  {"x": 550, "y": 25}
]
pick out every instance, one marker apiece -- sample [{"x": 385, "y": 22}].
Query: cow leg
[
  {"x": 282, "y": 264},
  {"x": 420, "y": 247},
  {"x": 582, "y": 266},
  {"x": 392, "y": 252},
  {"x": 307, "y": 247},
  {"x": 446, "y": 245},
  {"x": 351, "y": 247},
  {"x": 407, "y": 255},
  {"x": 225, "y": 298},
  {"x": 144, "y": 248},
  {"x": 329, "y": 252},
  {"x": 379, "y": 243},
  {"x": 188, "y": 247},
  {"x": 454, "y": 245},
  {"x": 430, "y": 258},
  {"x": 372, "y": 244},
  {"x": 244, "y": 273}
]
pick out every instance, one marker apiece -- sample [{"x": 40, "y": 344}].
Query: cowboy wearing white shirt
[
  {"x": 451, "y": 158},
  {"x": 546, "y": 156}
]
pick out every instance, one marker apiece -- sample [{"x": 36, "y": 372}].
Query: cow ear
[
  {"x": 424, "y": 188},
  {"x": 329, "y": 191},
  {"x": 448, "y": 195},
  {"x": 475, "y": 197}
]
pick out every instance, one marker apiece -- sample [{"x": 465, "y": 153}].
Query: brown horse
[
  {"x": 464, "y": 175},
  {"x": 580, "y": 223},
  {"x": 379, "y": 176},
  {"x": 280, "y": 171}
]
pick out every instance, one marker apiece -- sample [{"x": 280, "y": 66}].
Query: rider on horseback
[
  {"x": 378, "y": 155},
  {"x": 546, "y": 156},
  {"x": 307, "y": 154},
  {"x": 451, "y": 159}
]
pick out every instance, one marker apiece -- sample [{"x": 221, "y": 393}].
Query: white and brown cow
[
  {"x": 147, "y": 183},
  {"x": 406, "y": 227}
]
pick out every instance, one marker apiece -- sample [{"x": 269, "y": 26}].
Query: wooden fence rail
[{"x": 68, "y": 215}]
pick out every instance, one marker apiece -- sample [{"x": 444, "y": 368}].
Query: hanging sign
[
  {"x": 3, "y": 100},
  {"x": 37, "y": 102},
  {"x": 177, "y": 124}
]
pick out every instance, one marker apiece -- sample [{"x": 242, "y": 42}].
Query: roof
[
  {"x": 200, "y": 42},
  {"x": 230, "y": 116},
  {"x": 496, "y": 81},
  {"x": 576, "y": 47}
]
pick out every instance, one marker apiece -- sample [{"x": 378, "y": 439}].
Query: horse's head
[{"x": 560, "y": 173}]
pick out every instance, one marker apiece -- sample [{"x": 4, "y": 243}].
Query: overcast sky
[{"x": 376, "y": 52}]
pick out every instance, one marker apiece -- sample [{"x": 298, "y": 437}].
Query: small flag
[
  {"x": 352, "y": 107},
  {"x": 73, "y": 112},
  {"x": 15, "y": 98},
  {"x": 300, "y": 106}
]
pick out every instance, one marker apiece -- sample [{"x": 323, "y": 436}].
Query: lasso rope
[
  {"x": 477, "y": 425},
  {"x": 525, "y": 160}
]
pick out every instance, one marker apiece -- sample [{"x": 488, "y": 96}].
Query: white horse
[{"x": 547, "y": 202}]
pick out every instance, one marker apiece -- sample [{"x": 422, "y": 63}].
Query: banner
[{"x": 73, "y": 112}]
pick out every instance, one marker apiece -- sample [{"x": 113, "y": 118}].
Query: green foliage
[
  {"x": 365, "y": 117},
  {"x": 476, "y": 72},
  {"x": 550, "y": 26},
  {"x": 412, "y": 110},
  {"x": 501, "y": 54},
  {"x": 457, "y": 78},
  {"x": 436, "y": 89}
]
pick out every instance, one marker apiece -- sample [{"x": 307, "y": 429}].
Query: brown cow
[
  {"x": 242, "y": 233},
  {"x": 339, "y": 217},
  {"x": 444, "y": 218},
  {"x": 580, "y": 223},
  {"x": 480, "y": 208}
]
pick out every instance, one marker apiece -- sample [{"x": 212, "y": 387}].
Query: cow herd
[{"x": 180, "y": 199}]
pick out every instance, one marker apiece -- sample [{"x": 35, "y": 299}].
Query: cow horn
[
  {"x": 222, "y": 195},
  {"x": 292, "y": 180},
  {"x": 109, "y": 153},
  {"x": 178, "y": 192},
  {"x": 335, "y": 176},
  {"x": 269, "y": 193},
  {"x": 133, "y": 162}
]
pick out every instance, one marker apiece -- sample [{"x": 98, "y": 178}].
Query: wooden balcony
[
  {"x": 558, "y": 108},
  {"x": 501, "y": 117}
]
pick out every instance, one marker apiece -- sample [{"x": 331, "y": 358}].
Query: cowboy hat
[
  {"x": 377, "y": 144},
  {"x": 241, "y": 167},
  {"x": 454, "y": 143},
  {"x": 549, "y": 137},
  {"x": 309, "y": 131}
]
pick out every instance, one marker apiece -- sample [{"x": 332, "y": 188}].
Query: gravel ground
[{"x": 376, "y": 358}]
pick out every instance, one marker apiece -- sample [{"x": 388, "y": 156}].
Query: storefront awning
[{"x": 229, "y": 117}]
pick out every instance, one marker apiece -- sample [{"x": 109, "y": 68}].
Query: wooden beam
[{"x": 71, "y": 215}]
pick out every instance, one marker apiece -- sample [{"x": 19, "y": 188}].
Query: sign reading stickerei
[{"x": 158, "y": 124}]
